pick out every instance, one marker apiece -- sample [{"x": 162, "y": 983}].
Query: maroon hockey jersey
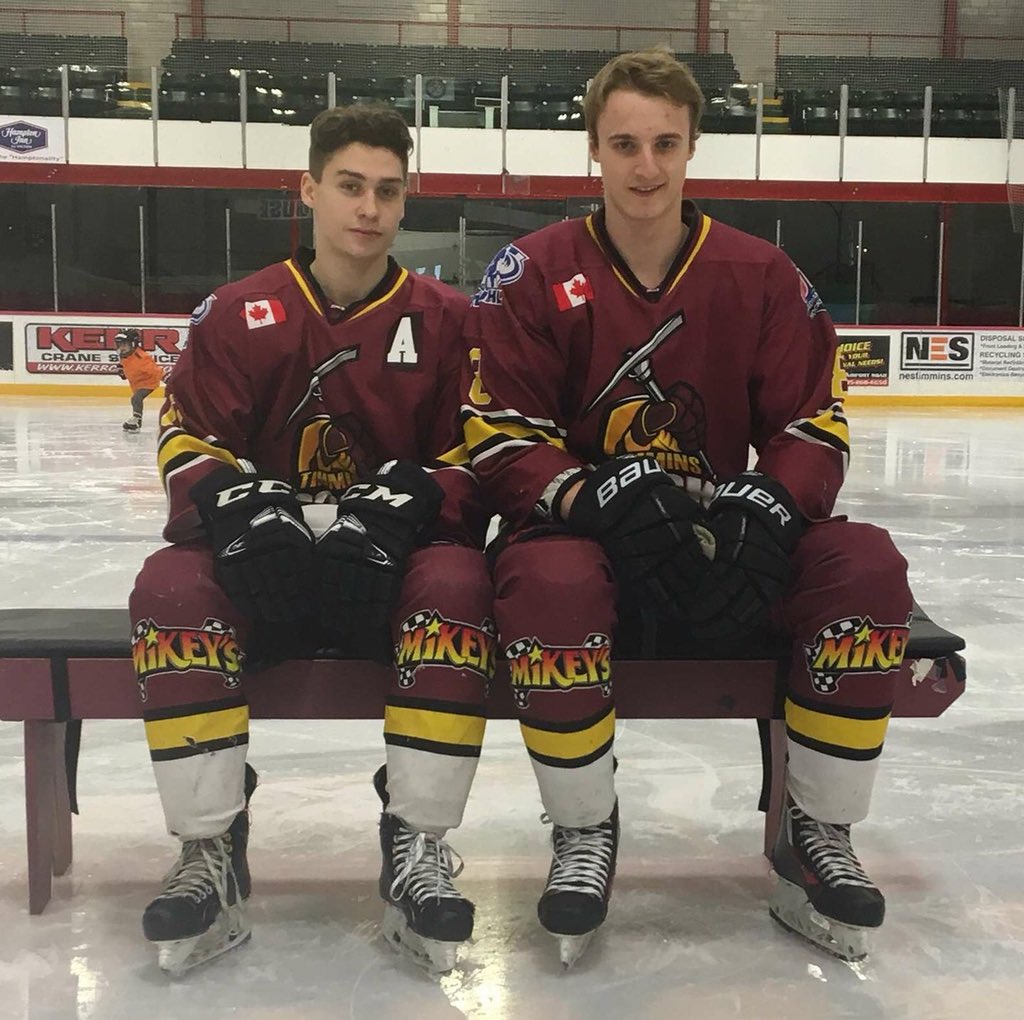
[
  {"x": 275, "y": 375},
  {"x": 573, "y": 360}
]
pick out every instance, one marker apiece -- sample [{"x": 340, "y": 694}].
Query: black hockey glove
[
  {"x": 361, "y": 557},
  {"x": 120, "y": 371},
  {"x": 651, "y": 530},
  {"x": 756, "y": 527},
  {"x": 263, "y": 551}
]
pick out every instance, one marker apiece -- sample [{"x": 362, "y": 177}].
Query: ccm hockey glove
[
  {"x": 263, "y": 551},
  {"x": 756, "y": 527},
  {"x": 652, "y": 531},
  {"x": 361, "y": 557}
]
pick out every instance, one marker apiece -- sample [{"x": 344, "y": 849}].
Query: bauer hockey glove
[
  {"x": 263, "y": 551},
  {"x": 652, "y": 531},
  {"x": 756, "y": 526},
  {"x": 361, "y": 557}
]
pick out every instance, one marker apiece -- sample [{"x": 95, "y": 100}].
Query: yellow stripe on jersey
[
  {"x": 170, "y": 417},
  {"x": 436, "y": 727},
  {"x": 201, "y": 728},
  {"x": 837, "y": 730},
  {"x": 828, "y": 427},
  {"x": 458, "y": 456},
  {"x": 480, "y": 432},
  {"x": 402, "y": 277},
  {"x": 303, "y": 286},
  {"x": 597, "y": 240},
  {"x": 568, "y": 747},
  {"x": 705, "y": 227},
  {"x": 177, "y": 445}
]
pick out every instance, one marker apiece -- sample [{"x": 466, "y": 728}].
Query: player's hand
[
  {"x": 756, "y": 526},
  {"x": 652, "y": 531},
  {"x": 120, "y": 372},
  {"x": 361, "y": 557},
  {"x": 263, "y": 550}
]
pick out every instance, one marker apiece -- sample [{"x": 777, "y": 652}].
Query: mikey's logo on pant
[
  {"x": 537, "y": 667},
  {"x": 429, "y": 639},
  {"x": 854, "y": 644},
  {"x": 159, "y": 649}
]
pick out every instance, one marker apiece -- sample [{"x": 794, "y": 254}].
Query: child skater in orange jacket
[{"x": 141, "y": 371}]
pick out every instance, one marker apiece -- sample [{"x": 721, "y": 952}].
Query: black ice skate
[
  {"x": 200, "y": 913},
  {"x": 823, "y": 893},
  {"x": 134, "y": 423},
  {"x": 425, "y": 917},
  {"x": 575, "y": 900}
]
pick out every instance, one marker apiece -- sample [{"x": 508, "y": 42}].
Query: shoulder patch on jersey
[
  {"x": 201, "y": 310},
  {"x": 814, "y": 304},
  {"x": 265, "y": 312},
  {"x": 506, "y": 267}
]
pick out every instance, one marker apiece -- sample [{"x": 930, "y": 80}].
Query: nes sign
[
  {"x": 937, "y": 352},
  {"x": 90, "y": 349}
]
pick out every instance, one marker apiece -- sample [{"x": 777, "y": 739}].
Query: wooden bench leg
[
  {"x": 41, "y": 765},
  {"x": 777, "y": 795},
  {"x": 61, "y": 805}
]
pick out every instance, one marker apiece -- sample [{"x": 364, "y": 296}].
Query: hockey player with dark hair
[
  {"x": 137, "y": 366},
  {"x": 319, "y": 495},
  {"x": 621, "y": 367}
]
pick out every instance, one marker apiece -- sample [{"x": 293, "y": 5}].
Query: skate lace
[
  {"x": 830, "y": 850},
  {"x": 204, "y": 866},
  {"x": 582, "y": 858},
  {"x": 424, "y": 867}
]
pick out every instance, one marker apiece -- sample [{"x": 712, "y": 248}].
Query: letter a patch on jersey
[
  {"x": 267, "y": 312},
  {"x": 403, "y": 344},
  {"x": 573, "y": 293}
]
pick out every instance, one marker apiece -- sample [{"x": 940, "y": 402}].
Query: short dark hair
[{"x": 374, "y": 124}]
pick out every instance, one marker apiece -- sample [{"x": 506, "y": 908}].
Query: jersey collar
[
  {"x": 698, "y": 225},
  {"x": 299, "y": 264}
]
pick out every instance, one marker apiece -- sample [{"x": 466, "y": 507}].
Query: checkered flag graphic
[
  {"x": 407, "y": 671},
  {"x": 828, "y": 683},
  {"x": 520, "y": 647}
]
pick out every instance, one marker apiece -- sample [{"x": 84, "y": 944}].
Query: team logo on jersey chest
[
  {"x": 333, "y": 450},
  {"x": 668, "y": 422}
]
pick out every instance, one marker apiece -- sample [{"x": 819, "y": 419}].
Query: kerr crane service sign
[{"x": 56, "y": 348}]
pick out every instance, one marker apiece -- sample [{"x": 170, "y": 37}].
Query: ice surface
[{"x": 688, "y": 934}]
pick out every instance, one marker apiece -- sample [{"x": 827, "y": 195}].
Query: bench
[{"x": 59, "y": 667}]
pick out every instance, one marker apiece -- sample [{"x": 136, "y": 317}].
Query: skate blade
[
  {"x": 572, "y": 947},
  {"x": 433, "y": 955},
  {"x": 178, "y": 956},
  {"x": 790, "y": 907}
]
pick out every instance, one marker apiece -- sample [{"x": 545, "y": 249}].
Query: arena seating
[
  {"x": 287, "y": 81},
  {"x": 30, "y": 77},
  {"x": 59, "y": 667},
  {"x": 886, "y": 94}
]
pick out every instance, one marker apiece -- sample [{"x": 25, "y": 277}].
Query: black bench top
[{"x": 105, "y": 634}]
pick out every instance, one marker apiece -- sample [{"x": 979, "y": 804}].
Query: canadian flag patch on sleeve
[
  {"x": 572, "y": 293},
  {"x": 265, "y": 312}
]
